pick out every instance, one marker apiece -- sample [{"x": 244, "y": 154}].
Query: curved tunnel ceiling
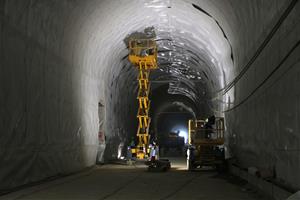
[
  {"x": 192, "y": 46},
  {"x": 201, "y": 43},
  {"x": 198, "y": 42}
]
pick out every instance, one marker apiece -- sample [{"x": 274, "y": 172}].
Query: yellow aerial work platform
[
  {"x": 143, "y": 54},
  {"x": 206, "y": 140}
]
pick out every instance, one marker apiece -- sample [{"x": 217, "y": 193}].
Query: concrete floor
[{"x": 134, "y": 182}]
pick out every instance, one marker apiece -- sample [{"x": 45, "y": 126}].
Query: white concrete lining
[{"x": 59, "y": 59}]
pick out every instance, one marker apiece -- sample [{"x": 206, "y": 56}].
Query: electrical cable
[
  {"x": 260, "y": 48},
  {"x": 267, "y": 78}
]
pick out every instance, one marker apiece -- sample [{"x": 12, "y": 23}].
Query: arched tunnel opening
[{"x": 68, "y": 91}]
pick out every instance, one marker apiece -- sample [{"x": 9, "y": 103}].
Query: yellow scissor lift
[
  {"x": 205, "y": 144},
  {"x": 143, "y": 54}
]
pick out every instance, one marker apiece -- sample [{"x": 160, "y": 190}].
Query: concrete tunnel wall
[{"x": 60, "y": 58}]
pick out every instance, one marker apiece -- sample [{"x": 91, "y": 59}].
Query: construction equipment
[
  {"x": 143, "y": 54},
  {"x": 172, "y": 143},
  {"x": 160, "y": 165},
  {"x": 206, "y": 143}
]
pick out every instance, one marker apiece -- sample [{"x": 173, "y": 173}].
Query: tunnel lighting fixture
[{"x": 183, "y": 133}]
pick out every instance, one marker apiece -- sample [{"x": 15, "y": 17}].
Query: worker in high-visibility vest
[{"x": 154, "y": 151}]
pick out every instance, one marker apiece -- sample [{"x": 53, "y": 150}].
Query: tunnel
[{"x": 66, "y": 81}]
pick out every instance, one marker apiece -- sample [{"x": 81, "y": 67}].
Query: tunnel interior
[{"x": 231, "y": 59}]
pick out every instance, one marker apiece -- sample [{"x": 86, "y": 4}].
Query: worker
[
  {"x": 190, "y": 154},
  {"x": 156, "y": 148},
  {"x": 152, "y": 152},
  {"x": 129, "y": 153},
  {"x": 129, "y": 149},
  {"x": 144, "y": 52},
  {"x": 209, "y": 126},
  {"x": 132, "y": 143}
]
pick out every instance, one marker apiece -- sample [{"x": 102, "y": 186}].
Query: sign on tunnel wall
[{"x": 101, "y": 134}]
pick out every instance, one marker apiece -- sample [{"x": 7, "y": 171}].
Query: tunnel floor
[{"x": 113, "y": 181}]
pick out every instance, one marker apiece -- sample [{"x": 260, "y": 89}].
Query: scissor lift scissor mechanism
[{"x": 143, "y": 54}]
